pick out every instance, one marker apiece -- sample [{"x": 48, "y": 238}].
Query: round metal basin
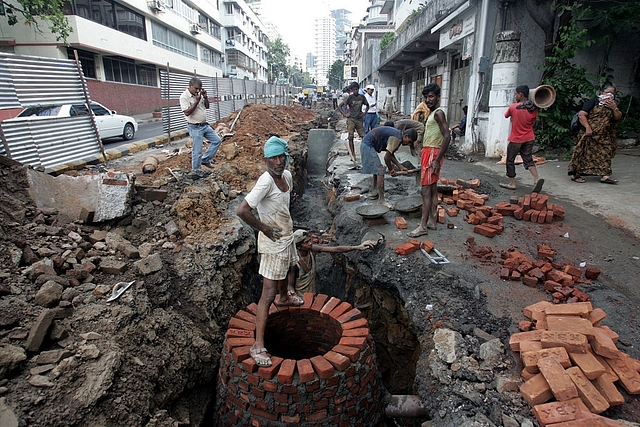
[
  {"x": 371, "y": 211},
  {"x": 409, "y": 204}
]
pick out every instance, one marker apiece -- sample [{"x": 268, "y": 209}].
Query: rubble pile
[{"x": 571, "y": 359}]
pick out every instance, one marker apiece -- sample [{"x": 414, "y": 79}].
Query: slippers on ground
[
  {"x": 260, "y": 356},
  {"x": 293, "y": 300},
  {"x": 507, "y": 186},
  {"x": 538, "y": 186},
  {"x": 418, "y": 232},
  {"x": 373, "y": 196},
  {"x": 609, "y": 180},
  {"x": 578, "y": 179}
]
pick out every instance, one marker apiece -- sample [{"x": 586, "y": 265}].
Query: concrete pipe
[
  {"x": 405, "y": 406},
  {"x": 543, "y": 96}
]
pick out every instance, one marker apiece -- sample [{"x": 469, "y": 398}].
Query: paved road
[{"x": 618, "y": 204}]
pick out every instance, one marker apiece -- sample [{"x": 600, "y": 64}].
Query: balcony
[{"x": 416, "y": 42}]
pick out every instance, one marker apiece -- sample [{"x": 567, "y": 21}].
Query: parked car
[{"x": 110, "y": 124}]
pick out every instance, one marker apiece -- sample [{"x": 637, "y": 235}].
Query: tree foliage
[
  {"x": 335, "y": 74},
  {"x": 582, "y": 26},
  {"x": 37, "y": 12},
  {"x": 277, "y": 59}
]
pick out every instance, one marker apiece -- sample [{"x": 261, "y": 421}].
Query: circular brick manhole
[{"x": 324, "y": 371}]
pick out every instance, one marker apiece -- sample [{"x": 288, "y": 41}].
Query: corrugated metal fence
[
  {"x": 226, "y": 95},
  {"x": 33, "y": 80}
]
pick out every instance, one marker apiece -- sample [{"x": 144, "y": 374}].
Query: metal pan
[
  {"x": 409, "y": 204},
  {"x": 372, "y": 211}
]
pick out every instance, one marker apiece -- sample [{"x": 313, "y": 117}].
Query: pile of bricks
[
  {"x": 533, "y": 207},
  {"x": 559, "y": 280},
  {"x": 572, "y": 365},
  {"x": 413, "y": 245}
]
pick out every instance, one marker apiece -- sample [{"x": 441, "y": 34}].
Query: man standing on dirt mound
[
  {"x": 194, "y": 103},
  {"x": 355, "y": 115},
  {"x": 271, "y": 197},
  {"x": 434, "y": 146}
]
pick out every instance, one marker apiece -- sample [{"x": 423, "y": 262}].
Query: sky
[{"x": 295, "y": 19}]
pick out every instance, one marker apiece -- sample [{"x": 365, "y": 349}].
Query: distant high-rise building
[
  {"x": 343, "y": 26},
  {"x": 325, "y": 44}
]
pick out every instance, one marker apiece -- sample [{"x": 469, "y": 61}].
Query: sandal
[
  {"x": 507, "y": 186},
  {"x": 293, "y": 300},
  {"x": 538, "y": 186},
  {"x": 260, "y": 356},
  {"x": 609, "y": 180},
  {"x": 578, "y": 179},
  {"x": 418, "y": 232}
]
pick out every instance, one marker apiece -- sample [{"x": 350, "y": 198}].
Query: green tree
[
  {"x": 37, "y": 12},
  {"x": 335, "y": 74},
  {"x": 277, "y": 59},
  {"x": 386, "y": 39}
]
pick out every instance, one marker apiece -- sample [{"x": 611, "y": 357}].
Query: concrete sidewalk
[{"x": 617, "y": 204}]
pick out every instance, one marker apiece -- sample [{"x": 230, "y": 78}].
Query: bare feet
[
  {"x": 420, "y": 231},
  {"x": 431, "y": 224},
  {"x": 388, "y": 205}
]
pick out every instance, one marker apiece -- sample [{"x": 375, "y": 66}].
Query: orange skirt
[{"x": 427, "y": 176}]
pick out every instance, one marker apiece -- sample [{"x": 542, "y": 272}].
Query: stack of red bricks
[
  {"x": 533, "y": 207},
  {"x": 572, "y": 365},
  {"x": 559, "y": 280}
]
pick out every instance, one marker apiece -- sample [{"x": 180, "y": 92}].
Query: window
[
  {"x": 125, "y": 70},
  {"x": 87, "y": 62},
  {"x": 110, "y": 14},
  {"x": 229, "y": 8},
  {"x": 99, "y": 110},
  {"x": 172, "y": 41}
]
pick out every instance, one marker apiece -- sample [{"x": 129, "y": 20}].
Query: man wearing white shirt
[{"x": 371, "y": 118}]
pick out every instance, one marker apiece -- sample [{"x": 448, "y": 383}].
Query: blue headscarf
[{"x": 276, "y": 146}]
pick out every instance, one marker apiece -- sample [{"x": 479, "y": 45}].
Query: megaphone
[{"x": 543, "y": 96}]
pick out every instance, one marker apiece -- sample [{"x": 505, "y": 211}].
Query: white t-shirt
[
  {"x": 199, "y": 115},
  {"x": 373, "y": 106},
  {"x": 273, "y": 209}
]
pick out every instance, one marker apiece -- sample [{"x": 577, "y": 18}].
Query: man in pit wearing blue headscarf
[{"x": 270, "y": 197}]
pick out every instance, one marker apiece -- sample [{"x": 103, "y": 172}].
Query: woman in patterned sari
[{"x": 596, "y": 146}]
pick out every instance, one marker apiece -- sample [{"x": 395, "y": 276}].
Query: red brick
[
  {"x": 238, "y": 333},
  {"x": 530, "y": 358},
  {"x": 569, "y": 323},
  {"x": 559, "y": 381},
  {"x": 305, "y": 370},
  {"x": 415, "y": 242},
  {"x": 400, "y": 222},
  {"x": 628, "y": 376},
  {"x": 551, "y": 286},
  {"x": 339, "y": 361},
  {"x": 610, "y": 333},
  {"x": 588, "y": 363},
  {"x": 239, "y": 342},
  {"x": 452, "y": 212},
  {"x": 590, "y": 396},
  {"x": 441, "y": 215},
  {"x": 351, "y": 197},
  {"x": 329, "y": 306},
  {"x": 270, "y": 371},
  {"x": 542, "y": 216},
  {"x": 515, "y": 339},
  {"x": 596, "y": 316},
  {"x": 351, "y": 352},
  {"x": 358, "y": 342},
  {"x": 323, "y": 368},
  {"x": 592, "y": 273},
  {"x": 530, "y": 346},
  {"x": 541, "y": 202},
  {"x": 515, "y": 275},
  {"x": 235, "y": 323},
  {"x": 527, "y": 215},
  {"x": 608, "y": 390},
  {"x": 349, "y": 316},
  {"x": 536, "y": 390},
  {"x": 240, "y": 353},
  {"x": 263, "y": 414},
  {"x": 427, "y": 245},
  {"x": 406, "y": 249},
  {"x": 341, "y": 309},
  {"x": 573, "y": 271},
  {"x": 519, "y": 212},
  {"x": 530, "y": 281},
  {"x": 578, "y": 309},
  {"x": 572, "y": 342},
  {"x": 602, "y": 344},
  {"x": 557, "y": 412},
  {"x": 504, "y": 273},
  {"x": 549, "y": 217},
  {"x": 485, "y": 230},
  {"x": 360, "y": 332},
  {"x": 537, "y": 307},
  {"x": 358, "y": 323}
]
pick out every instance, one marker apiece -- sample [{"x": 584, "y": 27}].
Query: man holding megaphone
[{"x": 523, "y": 114}]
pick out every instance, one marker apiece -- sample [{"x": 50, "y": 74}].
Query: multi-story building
[
  {"x": 325, "y": 47},
  {"x": 246, "y": 42},
  {"x": 122, "y": 45},
  {"x": 343, "y": 27}
]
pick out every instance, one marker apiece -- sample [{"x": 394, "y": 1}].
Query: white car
[{"x": 110, "y": 124}]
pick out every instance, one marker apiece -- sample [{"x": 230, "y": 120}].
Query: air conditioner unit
[
  {"x": 230, "y": 42},
  {"x": 195, "y": 29},
  {"x": 156, "y": 5}
]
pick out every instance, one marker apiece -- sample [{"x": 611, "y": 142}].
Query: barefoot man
[
  {"x": 434, "y": 146},
  {"x": 270, "y": 197}
]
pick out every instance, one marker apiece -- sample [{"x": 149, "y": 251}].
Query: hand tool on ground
[{"x": 119, "y": 289}]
